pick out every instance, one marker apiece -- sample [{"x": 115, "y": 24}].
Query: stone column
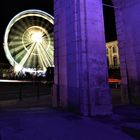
[
  {"x": 81, "y": 75},
  {"x": 124, "y": 13}
]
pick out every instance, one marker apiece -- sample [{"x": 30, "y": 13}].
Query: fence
[{"x": 20, "y": 90}]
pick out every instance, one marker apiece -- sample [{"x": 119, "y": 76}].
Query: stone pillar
[
  {"x": 81, "y": 75},
  {"x": 60, "y": 97},
  {"x": 126, "y": 22}
]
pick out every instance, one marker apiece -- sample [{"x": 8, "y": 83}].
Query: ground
[{"x": 44, "y": 123}]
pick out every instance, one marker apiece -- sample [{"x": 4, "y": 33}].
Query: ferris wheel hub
[{"x": 36, "y": 37}]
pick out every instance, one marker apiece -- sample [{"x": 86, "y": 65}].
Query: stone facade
[{"x": 112, "y": 53}]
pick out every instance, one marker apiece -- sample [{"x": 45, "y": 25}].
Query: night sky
[
  {"x": 109, "y": 21},
  {"x": 9, "y": 10}
]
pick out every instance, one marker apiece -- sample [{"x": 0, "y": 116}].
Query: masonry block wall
[{"x": 81, "y": 76}]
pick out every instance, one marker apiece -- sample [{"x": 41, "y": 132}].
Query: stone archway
[{"x": 81, "y": 77}]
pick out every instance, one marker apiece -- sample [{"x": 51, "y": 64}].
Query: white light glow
[
  {"x": 30, "y": 48},
  {"x": 36, "y": 37}
]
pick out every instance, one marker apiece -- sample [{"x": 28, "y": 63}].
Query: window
[
  {"x": 115, "y": 61},
  {"x": 114, "y": 49}
]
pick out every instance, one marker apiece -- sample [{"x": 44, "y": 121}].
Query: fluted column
[
  {"x": 81, "y": 74},
  {"x": 126, "y": 22}
]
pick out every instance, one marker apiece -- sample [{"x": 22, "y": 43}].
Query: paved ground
[
  {"x": 50, "y": 124},
  {"x": 125, "y": 119}
]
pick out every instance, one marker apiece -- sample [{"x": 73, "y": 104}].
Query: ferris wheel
[{"x": 29, "y": 41}]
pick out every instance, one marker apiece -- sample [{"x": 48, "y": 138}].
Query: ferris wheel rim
[{"x": 25, "y": 13}]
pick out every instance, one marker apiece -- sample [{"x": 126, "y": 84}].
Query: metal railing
[{"x": 16, "y": 89}]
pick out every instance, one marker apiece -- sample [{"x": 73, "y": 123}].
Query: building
[{"x": 112, "y": 53}]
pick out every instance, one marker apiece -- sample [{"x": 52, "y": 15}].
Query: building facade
[{"x": 112, "y": 53}]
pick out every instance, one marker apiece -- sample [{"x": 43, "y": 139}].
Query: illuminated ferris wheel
[{"x": 29, "y": 41}]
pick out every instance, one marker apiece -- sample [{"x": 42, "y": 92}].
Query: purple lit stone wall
[
  {"x": 128, "y": 32},
  {"x": 81, "y": 77}
]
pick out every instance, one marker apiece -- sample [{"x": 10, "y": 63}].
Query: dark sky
[
  {"x": 109, "y": 21},
  {"x": 9, "y": 10}
]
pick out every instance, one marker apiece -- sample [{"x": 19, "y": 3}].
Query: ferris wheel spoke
[
  {"x": 27, "y": 36},
  {"x": 28, "y": 45},
  {"x": 16, "y": 50},
  {"x": 31, "y": 62},
  {"x": 44, "y": 36},
  {"x": 46, "y": 39},
  {"x": 14, "y": 38},
  {"x": 42, "y": 57},
  {"x": 34, "y": 61},
  {"x": 50, "y": 58},
  {"x": 19, "y": 29},
  {"x": 37, "y": 22},
  {"x": 45, "y": 57},
  {"x": 15, "y": 33},
  {"x": 18, "y": 56},
  {"x": 26, "y": 57},
  {"x": 13, "y": 44},
  {"x": 46, "y": 25},
  {"x": 25, "y": 24},
  {"x": 43, "y": 47},
  {"x": 40, "y": 22},
  {"x": 48, "y": 54},
  {"x": 42, "y": 64},
  {"x": 44, "y": 54}
]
